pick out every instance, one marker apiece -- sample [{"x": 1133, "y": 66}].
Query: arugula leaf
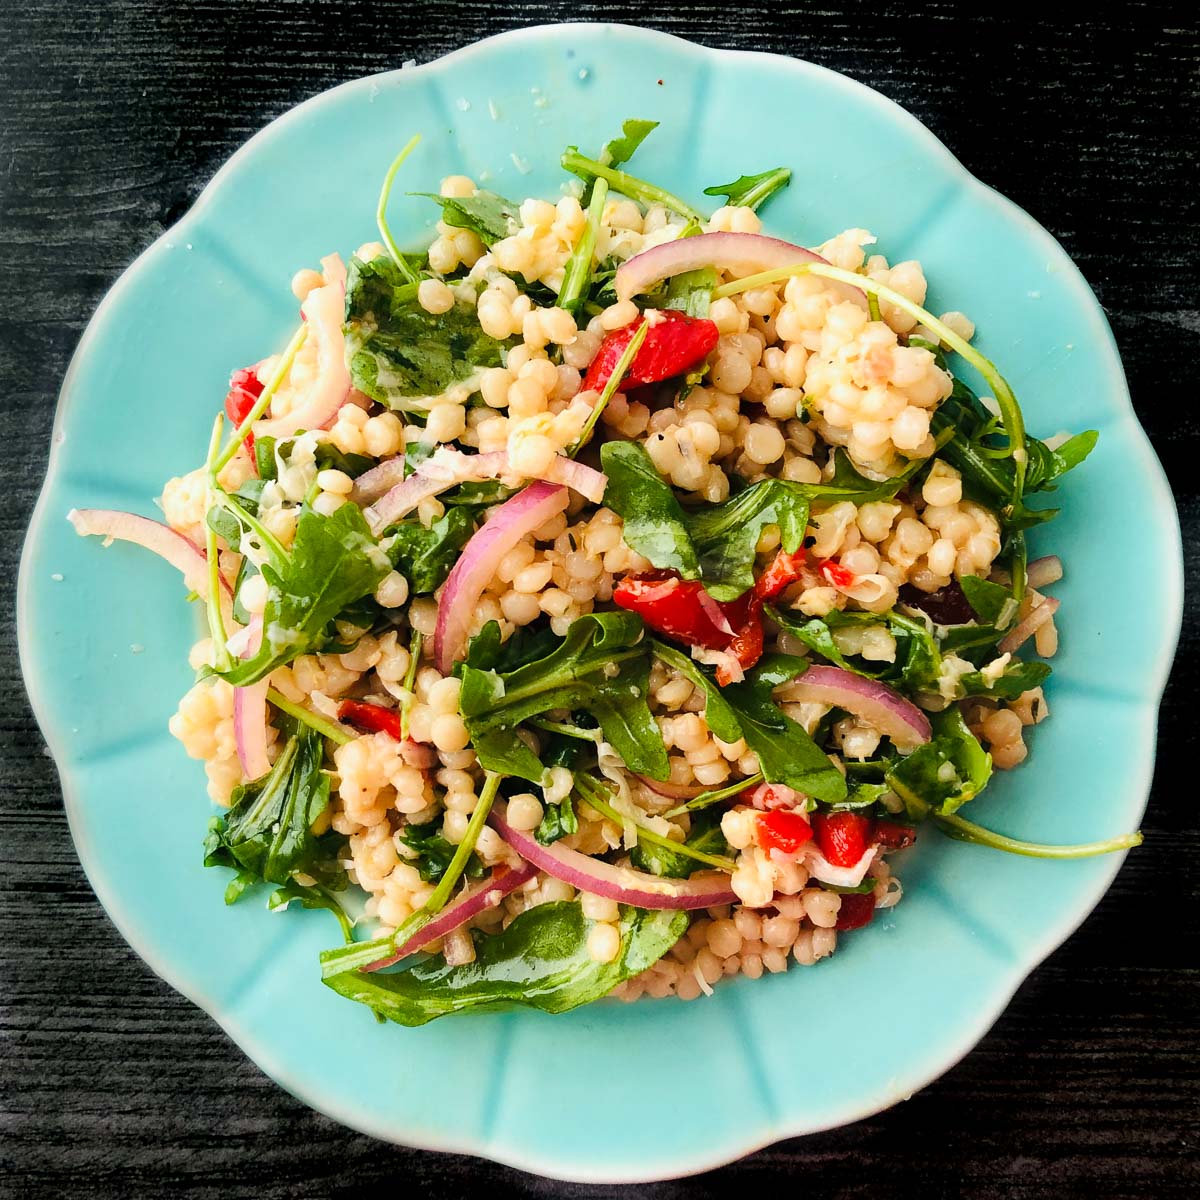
[
  {"x": 540, "y": 961},
  {"x": 621, "y": 149},
  {"x": 942, "y": 775},
  {"x": 399, "y": 354},
  {"x": 602, "y": 665},
  {"x": 313, "y": 897},
  {"x": 434, "y": 853},
  {"x": 716, "y": 542},
  {"x": 267, "y": 833},
  {"x": 425, "y": 556},
  {"x": 690, "y": 292},
  {"x": 334, "y": 562},
  {"x": 918, "y": 660},
  {"x": 750, "y": 191},
  {"x": 560, "y": 820},
  {"x": 1018, "y": 677},
  {"x": 786, "y": 753},
  {"x": 848, "y": 483},
  {"x": 485, "y": 213},
  {"x": 705, "y": 835},
  {"x": 988, "y": 600}
]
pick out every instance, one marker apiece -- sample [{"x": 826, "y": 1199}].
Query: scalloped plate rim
[{"x": 435, "y": 1139}]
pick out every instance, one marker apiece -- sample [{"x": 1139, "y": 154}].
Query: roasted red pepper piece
[
  {"x": 783, "y": 831},
  {"x": 856, "y": 910},
  {"x": 673, "y": 606},
  {"x": 370, "y": 718},
  {"x": 838, "y": 575},
  {"x": 674, "y": 344},
  {"x": 784, "y": 570},
  {"x": 891, "y": 835},
  {"x": 843, "y": 836},
  {"x": 244, "y": 391}
]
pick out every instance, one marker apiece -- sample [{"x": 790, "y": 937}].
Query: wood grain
[{"x": 112, "y": 116}]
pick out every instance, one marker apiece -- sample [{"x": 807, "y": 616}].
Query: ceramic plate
[{"x": 609, "y": 1092}]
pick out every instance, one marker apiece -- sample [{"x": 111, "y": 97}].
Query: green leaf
[
  {"x": 714, "y": 542},
  {"x": 314, "y": 897},
  {"x": 987, "y": 600},
  {"x": 425, "y": 556},
  {"x": 690, "y": 292},
  {"x": 945, "y": 773},
  {"x": 540, "y": 961},
  {"x": 334, "y": 562},
  {"x": 267, "y": 832},
  {"x": 485, "y": 213},
  {"x": 434, "y": 853},
  {"x": 1018, "y": 678},
  {"x": 621, "y": 149},
  {"x": 750, "y": 191},
  {"x": 705, "y": 835},
  {"x": 401, "y": 355},
  {"x": 786, "y": 753},
  {"x": 628, "y": 185},
  {"x": 602, "y": 666}
]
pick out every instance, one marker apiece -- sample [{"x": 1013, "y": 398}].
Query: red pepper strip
[
  {"x": 370, "y": 718},
  {"x": 891, "y": 835},
  {"x": 783, "y": 831},
  {"x": 784, "y": 570},
  {"x": 844, "y": 837},
  {"x": 856, "y": 911},
  {"x": 747, "y": 643},
  {"x": 838, "y": 575},
  {"x": 672, "y": 607},
  {"x": 244, "y": 391},
  {"x": 673, "y": 345}
]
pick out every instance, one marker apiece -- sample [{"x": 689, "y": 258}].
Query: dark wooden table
[{"x": 112, "y": 116}]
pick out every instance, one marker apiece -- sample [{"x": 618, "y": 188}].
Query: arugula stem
[
  {"x": 260, "y": 405},
  {"x": 410, "y": 679},
  {"x": 610, "y": 388},
  {"x": 716, "y": 795},
  {"x": 515, "y": 695},
  {"x": 381, "y": 211},
  {"x": 331, "y": 729},
  {"x": 627, "y": 185},
  {"x": 571, "y": 731},
  {"x": 588, "y": 791},
  {"x": 216, "y": 619},
  {"x": 1010, "y": 410},
  {"x": 1020, "y": 563},
  {"x": 962, "y": 830},
  {"x": 579, "y": 267},
  {"x": 269, "y": 541}
]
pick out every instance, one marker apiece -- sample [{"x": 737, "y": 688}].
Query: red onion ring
[
  {"x": 672, "y": 791},
  {"x": 323, "y": 309},
  {"x": 250, "y": 713},
  {"x": 738, "y": 253},
  {"x": 1023, "y": 631},
  {"x": 623, "y": 884},
  {"x": 876, "y": 703},
  {"x": 484, "y": 895},
  {"x": 819, "y": 867},
  {"x": 528, "y": 510}
]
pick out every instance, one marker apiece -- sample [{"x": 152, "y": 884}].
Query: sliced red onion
[
  {"x": 738, "y": 253},
  {"x": 879, "y": 705},
  {"x": 714, "y": 612},
  {"x": 445, "y": 469},
  {"x": 418, "y": 754},
  {"x": 1024, "y": 630},
  {"x": 324, "y": 309},
  {"x": 819, "y": 867},
  {"x": 479, "y": 898},
  {"x": 250, "y": 712},
  {"x": 672, "y": 791},
  {"x": 1044, "y": 571},
  {"x": 585, "y": 480},
  {"x": 334, "y": 271},
  {"x": 622, "y": 884},
  {"x": 769, "y": 796},
  {"x": 528, "y": 510},
  {"x": 180, "y": 552}
]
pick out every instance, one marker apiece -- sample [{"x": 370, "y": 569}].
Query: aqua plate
[{"x": 657, "y": 1088}]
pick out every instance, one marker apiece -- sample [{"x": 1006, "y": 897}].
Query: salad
[{"x": 597, "y": 600}]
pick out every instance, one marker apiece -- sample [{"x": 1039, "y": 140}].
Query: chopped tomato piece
[
  {"x": 856, "y": 911},
  {"x": 674, "y": 344},
  {"x": 891, "y": 835},
  {"x": 673, "y": 606},
  {"x": 843, "y": 837},
  {"x": 838, "y": 575},
  {"x": 782, "y": 830},
  {"x": 370, "y": 718},
  {"x": 244, "y": 391},
  {"x": 784, "y": 570}
]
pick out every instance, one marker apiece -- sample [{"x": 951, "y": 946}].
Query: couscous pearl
[
  {"x": 304, "y": 281},
  {"x": 337, "y": 482},
  {"x": 392, "y": 591},
  {"x": 604, "y": 943},
  {"x": 434, "y": 296},
  {"x": 524, "y": 811}
]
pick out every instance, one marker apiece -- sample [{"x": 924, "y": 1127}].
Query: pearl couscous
[{"x": 597, "y": 599}]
